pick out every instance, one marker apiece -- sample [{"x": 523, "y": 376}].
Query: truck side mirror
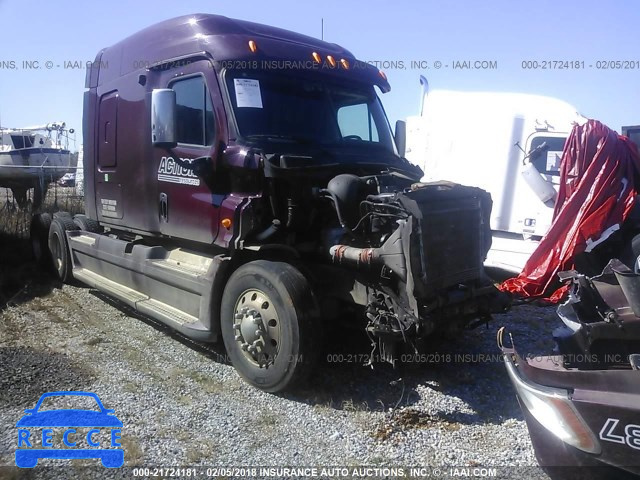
[
  {"x": 401, "y": 137},
  {"x": 163, "y": 118}
]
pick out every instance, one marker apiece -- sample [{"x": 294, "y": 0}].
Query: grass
[
  {"x": 15, "y": 221},
  {"x": 351, "y": 406},
  {"x": 410, "y": 418},
  {"x": 95, "y": 341},
  {"x": 202, "y": 453},
  {"x": 267, "y": 419},
  {"x": 131, "y": 387},
  {"x": 20, "y": 277},
  {"x": 133, "y": 454}
]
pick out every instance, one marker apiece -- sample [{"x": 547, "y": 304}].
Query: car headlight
[{"x": 553, "y": 409}]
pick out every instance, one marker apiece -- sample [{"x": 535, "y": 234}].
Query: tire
[
  {"x": 39, "y": 236},
  {"x": 59, "y": 247},
  {"x": 87, "y": 224},
  {"x": 273, "y": 298},
  {"x": 631, "y": 252}
]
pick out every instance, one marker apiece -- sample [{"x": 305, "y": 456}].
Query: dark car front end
[{"x": 582, "y": 406}]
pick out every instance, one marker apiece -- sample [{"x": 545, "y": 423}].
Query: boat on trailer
[{"x": 33, "y": 157}]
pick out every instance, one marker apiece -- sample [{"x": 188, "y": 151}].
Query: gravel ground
[{"x": 182, "y": 404}]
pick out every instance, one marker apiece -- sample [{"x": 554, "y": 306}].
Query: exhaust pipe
[{"x": 389, "y": 255}]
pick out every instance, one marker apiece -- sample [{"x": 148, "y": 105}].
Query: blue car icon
[{"x": 68, "y": 418}]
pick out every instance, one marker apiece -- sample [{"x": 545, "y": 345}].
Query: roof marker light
[
  {"x": 331, "y": 60},
  {"x": 316, "y": 57},
  {"x": 253, "y": 46},
  {"x": 382, "y": 74},
  {"x": 345, "y": 63},
  {"x": 226, "y": 223}
]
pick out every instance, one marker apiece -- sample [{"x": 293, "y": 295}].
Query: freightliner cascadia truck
[{"x": 243, "y": 182}]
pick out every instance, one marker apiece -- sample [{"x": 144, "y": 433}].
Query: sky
[{"x": 405, "y": 38}]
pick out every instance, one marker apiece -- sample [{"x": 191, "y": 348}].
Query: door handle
[{"x": 164, "y": 207}]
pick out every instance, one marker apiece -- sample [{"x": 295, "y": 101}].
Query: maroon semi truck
[{"x": 242, "y": 181}]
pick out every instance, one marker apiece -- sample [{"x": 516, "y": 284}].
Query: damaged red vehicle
[{"x": 582, "y": 407}]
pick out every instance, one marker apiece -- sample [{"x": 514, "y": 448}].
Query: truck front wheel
[{"x": 268, "y": 318}]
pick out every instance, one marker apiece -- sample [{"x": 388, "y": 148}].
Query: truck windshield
[{"x": 278, "y": 108}]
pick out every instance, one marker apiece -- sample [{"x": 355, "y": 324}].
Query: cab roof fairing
[{"x": 224, "y": 39}]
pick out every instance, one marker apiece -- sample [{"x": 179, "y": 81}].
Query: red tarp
[{"x": 597, "y": 191}]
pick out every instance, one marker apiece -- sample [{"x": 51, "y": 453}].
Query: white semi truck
[{"x": 509, "y": 144}]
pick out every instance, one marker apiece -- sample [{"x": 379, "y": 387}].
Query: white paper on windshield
[
  {"x": 553, "y": 161},
  {"x": 247, "y": 93}
]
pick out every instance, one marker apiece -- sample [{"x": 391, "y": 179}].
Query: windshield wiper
[
  {"x": 280, "y": 138},
  {"x": 410, "y": 169},
  {"x": 292, "y": 139}
]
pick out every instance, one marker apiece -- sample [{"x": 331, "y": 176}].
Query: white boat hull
[{"x": 28, "y": 167}]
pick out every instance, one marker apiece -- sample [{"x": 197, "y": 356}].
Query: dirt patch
[{"x": 411, "y": 418}]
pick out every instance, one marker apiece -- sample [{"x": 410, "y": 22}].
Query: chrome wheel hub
[{"x": 256, "y": 327}]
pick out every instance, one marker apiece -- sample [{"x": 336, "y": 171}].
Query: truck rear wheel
[
  {"x": 39, "y": 236},
  {"x": 59, "y": 246},
  {"x": 87, "y": 224},
  {"x": 268, "y": 317}
]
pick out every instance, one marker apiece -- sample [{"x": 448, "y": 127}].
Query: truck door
[
  {"x": 108, "y": 193},
  {"x": 187, "y": 209}
]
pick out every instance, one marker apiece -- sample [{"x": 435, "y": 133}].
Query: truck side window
[
  {"x": 633, "y": 133},
  {"x": 195, "y": 119},
  {"x": 547, "y": 160},
  {"x": 355, "y": 120}
]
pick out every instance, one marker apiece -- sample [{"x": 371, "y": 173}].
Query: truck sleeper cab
[{"x": 242, "y": 181}]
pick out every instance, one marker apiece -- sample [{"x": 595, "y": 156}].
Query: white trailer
[{"x": 509, "y": 144}]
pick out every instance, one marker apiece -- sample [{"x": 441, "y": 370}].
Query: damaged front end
[
  {"x": 601, "y": 318},
  {"x": 579, "y": 418},
  {"x": 582, "y": 406},
  {"x": 427, "y": 273},
  {"x": 407, "y": 256}
]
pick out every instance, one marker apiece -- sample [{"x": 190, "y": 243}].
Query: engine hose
[
  {"x": 291, "y": 209},
  {"x": 337, "y": 205},
  {"x": 269, "y": 231}
]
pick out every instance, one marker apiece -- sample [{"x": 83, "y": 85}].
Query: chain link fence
[
  {"x": 15, "y": 214},
  {"x": 20, "y": 277}
]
